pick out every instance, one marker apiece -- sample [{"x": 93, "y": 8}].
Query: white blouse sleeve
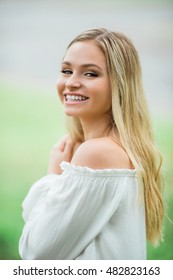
[
  {"x": 38, "y": 190},
  {"x": 64, "y": 213}
]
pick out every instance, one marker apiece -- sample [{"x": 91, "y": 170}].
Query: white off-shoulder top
[{"x": 84, "y": 214}]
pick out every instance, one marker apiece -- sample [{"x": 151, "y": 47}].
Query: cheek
[{"x": 104, "y": 92}]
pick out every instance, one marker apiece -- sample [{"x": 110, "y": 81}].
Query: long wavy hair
[{"x": 130, "y": 118}]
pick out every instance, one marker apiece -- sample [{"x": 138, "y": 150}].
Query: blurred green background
[{"x": 34, "y": 35}]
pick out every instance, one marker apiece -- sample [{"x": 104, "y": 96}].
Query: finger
[
  {"x": 61, "y": 143},
  {"x": 69, "y": 146},
  {"x": 66, "y": 141}
]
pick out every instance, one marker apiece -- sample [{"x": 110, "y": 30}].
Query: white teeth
[{"x": 75, "y": 97}]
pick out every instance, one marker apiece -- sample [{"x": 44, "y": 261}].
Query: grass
[{"x": 31, "y": 123}]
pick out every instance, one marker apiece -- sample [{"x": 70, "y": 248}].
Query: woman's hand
[{"x": 62, "y": 151}]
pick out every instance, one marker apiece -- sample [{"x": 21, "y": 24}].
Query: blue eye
[
  {"x": 91, "y": 74},
  {"x": 66, "y": 71}
]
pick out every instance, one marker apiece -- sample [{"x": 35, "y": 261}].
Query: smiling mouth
[{"x": 71, "y": 98}]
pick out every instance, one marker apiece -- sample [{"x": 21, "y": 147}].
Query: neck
[{"x": 95, "y": 128}]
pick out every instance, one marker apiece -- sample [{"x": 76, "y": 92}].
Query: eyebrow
[{"x": 84, "y": 65}]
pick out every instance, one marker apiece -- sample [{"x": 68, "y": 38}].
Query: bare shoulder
[{"x": 101, "y": 153}]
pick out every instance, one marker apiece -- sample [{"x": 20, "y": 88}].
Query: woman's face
[{"x": 83, "y": 85}]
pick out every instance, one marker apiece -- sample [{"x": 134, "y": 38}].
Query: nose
[{"x": 73, "y": 82}]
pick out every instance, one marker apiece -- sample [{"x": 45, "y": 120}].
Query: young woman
[{"x": 102, "y": 197}]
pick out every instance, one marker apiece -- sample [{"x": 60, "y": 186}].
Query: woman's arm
[{"x": 70, "y": 215}]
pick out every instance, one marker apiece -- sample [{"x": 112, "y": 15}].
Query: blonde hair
[{"x": 130, "y": 117}]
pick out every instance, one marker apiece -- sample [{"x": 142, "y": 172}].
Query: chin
[{"x": 71, "y": 114}]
